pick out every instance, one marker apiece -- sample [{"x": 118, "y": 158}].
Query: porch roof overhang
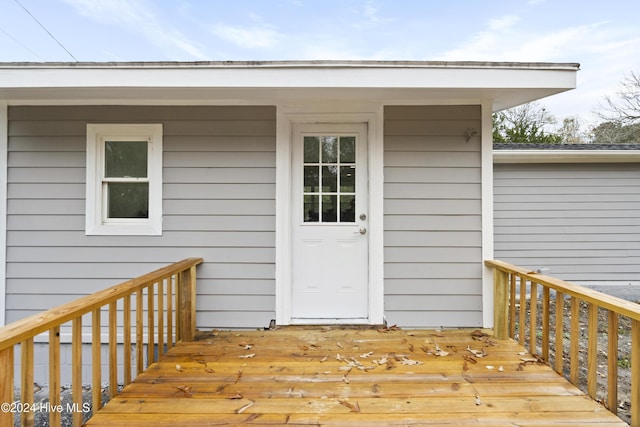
[{"x": 504, "y": 84}]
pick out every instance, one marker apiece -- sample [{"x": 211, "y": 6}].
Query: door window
[{"x": 329, "y": 182}]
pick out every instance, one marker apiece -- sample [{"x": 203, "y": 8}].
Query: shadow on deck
[{"x": 333, "y": 376}]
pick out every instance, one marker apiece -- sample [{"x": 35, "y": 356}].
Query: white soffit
[{"x": 506, "y": 84}]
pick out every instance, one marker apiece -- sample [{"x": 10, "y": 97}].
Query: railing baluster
[
  {"x": 160, "y": 318},
  {"x": 546, "y": 319},
  {"x": 512, "y": 305},
  {"x": 139, "y": 332},
  {"x": 150, "y": 327},
  {"x": 76, "y": 369},
  {"x": 500, "y": 297},
  {"x": 559, "y": 354},
  {"x": 592, "y": 352},
  {"x": 170, "y": 312},
  {"x": 612, "y": 362},
  {"x": 574, "y": 350},
  {"x": 26, "y": 363},
  {"x": 54, "y": 375},
  {"x": 113, "y": 350},
  {"x": 523, "y": 310},
  {"x": 126, "y": 358},
  {"x": 533, "y": 318},
  {"x": 6, "y": 385},
  {"x": 96, "y": 360},
  {"x": 635, "y": 373}
]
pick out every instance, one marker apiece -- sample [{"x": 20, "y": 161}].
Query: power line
[
  {"x": 44, "y": 28},
  {"x": 18, "y": 42}
]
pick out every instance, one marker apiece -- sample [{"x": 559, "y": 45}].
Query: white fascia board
[
  {"x": 566, "y": 156},
  {"x": 307, "y": 77},
  {"x": 4, "y": 145}
]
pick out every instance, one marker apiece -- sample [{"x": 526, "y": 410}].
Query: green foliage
[{"x": 524, "y": 124}]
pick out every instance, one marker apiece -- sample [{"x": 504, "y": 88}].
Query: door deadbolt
[{"x": 363, "y": 217}]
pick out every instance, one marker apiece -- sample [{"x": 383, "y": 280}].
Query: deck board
[{"x": 300, "y": 376}]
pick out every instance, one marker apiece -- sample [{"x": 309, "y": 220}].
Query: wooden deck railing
[
  {"x": 169, "y": 316},
  {"x": 511, "y": 314}
]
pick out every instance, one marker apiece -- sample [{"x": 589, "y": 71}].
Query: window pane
[
  {"x": 348, "y": 208},
  {"x": 348, "y": 179},
  {"x": 311, "y": 209},
  {"x": 311, "y": 149},
  {"x": 311, "y": 179},
  {"x": 329, "y": 149},
  {"x": 125, "y": 159},
  {"x": 348, "y": 149},
  {"x": 329, "y": 179},
  {"x": 128, "y": 200},
  {"x": 329, "y": 209}
]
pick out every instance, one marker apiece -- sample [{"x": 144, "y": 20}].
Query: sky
[{"x": 603, "y": 36}]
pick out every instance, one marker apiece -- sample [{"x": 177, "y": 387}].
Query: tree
[
  {"x": 614, "y": 132},
  {"x": 624, "y": 108},
  {"x": 524, "y": 124},
  {"x": 570, "y": 132}
]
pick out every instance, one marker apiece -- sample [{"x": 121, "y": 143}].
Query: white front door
[{"x": 330, "y": 259}]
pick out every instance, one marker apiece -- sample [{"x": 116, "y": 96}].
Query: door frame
[{"x": 372, "y": 116}]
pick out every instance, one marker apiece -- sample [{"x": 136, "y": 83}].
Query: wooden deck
[{"x": 333, "y": 376}]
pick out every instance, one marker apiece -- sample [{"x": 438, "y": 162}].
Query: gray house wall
[
  {"x": 219, "y": 204},
  {"x": 582, "y": 221},
  {"x": 432, "y": 216}
]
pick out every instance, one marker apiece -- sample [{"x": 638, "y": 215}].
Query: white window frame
[{"x": 96, "y": 221}]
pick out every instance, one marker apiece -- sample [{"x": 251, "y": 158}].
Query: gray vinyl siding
[
  {"x": 219, "y": 204},
  {"x": 582, "y": 221},
  {"x": 432, "y": 216}
]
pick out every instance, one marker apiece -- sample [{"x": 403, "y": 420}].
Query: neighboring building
[
  {"x": 316, "y": 192},
  {"x": 572, "y": 209}
]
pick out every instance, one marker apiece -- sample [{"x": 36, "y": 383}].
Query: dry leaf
[
  {"x": 188, "y": 391},
  {"x": 490, "y": 367},
  {"x": 247, "y": 356},
  {"x": 476, "y": 353},
  {"x": 501, "y": 369},
  {"x": 465, "y": 366},
  {"x": 478, "y": 401},
  {"x": 245, "y": 407},
  {"x": 455, "y": 386},
  {"x": 324, "y": 359},
  {"x": 238, "y": 395},
  {"x": 178, "y": 368},
  {"x": 440, "y": 352},
  {"x": 409, "y": 362},
  {"x": 339, "y": 345},
  {"x": 351, "y": 406},
  {"x": 238, "y": 376},
  {"x": 366, "y": 355}
]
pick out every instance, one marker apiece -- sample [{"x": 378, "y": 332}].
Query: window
[{"x": 124, "y": 179}]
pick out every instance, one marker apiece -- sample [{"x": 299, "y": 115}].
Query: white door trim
[
  {"x": 4, "y": 146},
  {"x": 286, "y": 117}
]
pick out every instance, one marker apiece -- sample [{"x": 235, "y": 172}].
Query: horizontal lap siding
[
  {"x": 582, "y": 221},
  {"x": 219, "y": 204},
  {"x": 432, "y": 216}
]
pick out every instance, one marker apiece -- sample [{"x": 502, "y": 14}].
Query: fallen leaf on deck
[
  {"x": 476, "y": 353},
  {"x": 339, "y": 345},
  {"x": 247, "y": 356},
  {"x": 209, "y": 370},
  {"x": 455, "y": 386},
  {"x": 440, "y": 352},
  {"x": 351, "y": 406},
  {"x": 389, "y": 328},
  {"x": 366, "y": 355},
  {"x": 238, "y": 376},
  {"x": 409, "y": 362},
  {"x": 245, "y": 407},
  {"x": 186, "y": 390},
  {"x": 236, "y": 396},
  {"x": 490, "y": 367},
  {"x": 501, "y": 369},
  {"x": 465, "y": 366},
  {"x": 324, "y": 359},
  {"x": 178, "y": 368},
  {"x": 469, "y": 359},
  {"x": 478, "y": 401}
]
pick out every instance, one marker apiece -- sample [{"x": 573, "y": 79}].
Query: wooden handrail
[
  {"x": 175, "y": 285},
  {"x": 507, "y": 319}
]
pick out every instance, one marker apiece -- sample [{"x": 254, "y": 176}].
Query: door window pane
[
  {"x": 348, "y": 208},
  {"x": 348, "y": 149},
  {"x": 311, "y": 208},
  {"x": 348, "y": 179},
  {"x": 329, "y": 179},
  {"x": 311, "y": 179},
  {"x": 128, "y": 200},
  {"x": 311, "y": 149},
  {"x": 329, "y": 208},
  {"x": 329, "y": 149},
  {"x": 125, "y": 159}
]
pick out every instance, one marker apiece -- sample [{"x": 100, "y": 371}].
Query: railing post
[
  {"x": 500, "y": 304},
  {"x": 6, "y": 385},
  {"x": 635, "y": 373},
  {"x": 187, "y": 299}
]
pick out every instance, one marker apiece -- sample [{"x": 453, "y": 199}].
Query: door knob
[{"x": 361, "y": 231}]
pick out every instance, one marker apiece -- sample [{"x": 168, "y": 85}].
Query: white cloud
[
  {"x": 503, "y": 23},
  {"x": 247, "y": 37},
  {"x": 137, "y": 17}
]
